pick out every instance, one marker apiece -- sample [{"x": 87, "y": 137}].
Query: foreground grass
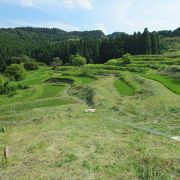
[
  {"x": 171, "y": 83},
  {"x": 63, "y": 142}
]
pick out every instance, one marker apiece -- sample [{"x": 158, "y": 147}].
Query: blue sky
[{"x": 107, "y": 15}]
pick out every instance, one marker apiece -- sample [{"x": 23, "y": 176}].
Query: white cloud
[
  {"x": 156, "y": 15},
  {"x": 129, "y": 23},
  {"x": 26, "y": 3},
  {"x": 100, "y": 26},
  {"x": 119, "y": 10},
  {"x": 114, "y": 16},
  {"x": 95, "y": 26},
  {"x": 83, "y": 4}
]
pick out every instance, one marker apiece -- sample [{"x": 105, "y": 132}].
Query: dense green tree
[
  {"x": 16, "y": 72},
  {"x": 78, "y": 60},
  {"x": 126, "y": 58},
  {"x": 154, "y": 43},
  {"x": 7, "y": 87},
  {"x": 167, "y": 33},
  {"x": 24, "y": 58},
  {"x": 18, "y": 45},
  {"x": 31, "y": 65},
  {"x": 139, "y": 44},
  {"x": 158, "y": 44},
  {"x": 146, "y": 42},
  {"x": 56, "y": 62},
  {"x": 2, "y": 64}
]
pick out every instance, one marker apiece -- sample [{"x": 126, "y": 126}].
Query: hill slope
[{"x": 51, "y": 137}]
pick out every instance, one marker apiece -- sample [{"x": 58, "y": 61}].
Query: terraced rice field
[
  {"x": 123, "y": 88},
  {"x": 169, "y": 82},
  {"x": 128, "y": 137}
]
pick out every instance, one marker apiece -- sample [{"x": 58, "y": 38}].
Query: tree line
[
  {"x": 136, "y": 44},
  {"x": 169, "y": 33},
  {"x": 44, "y": 44}
]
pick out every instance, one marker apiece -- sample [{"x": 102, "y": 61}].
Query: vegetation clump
[
  {"x": 2, "y": 129},
  {"x": 31, "y": 65},
  {"x": 126, "y": 58},
  {"x": 85, "y": 93},
  {"x": 7, "y": 87},
  {"x": 172, "y": 70},
  {"x": 78, "y": 60},
  {"x": 56, "y": 62},
  {"x": 16, "y": 72}
]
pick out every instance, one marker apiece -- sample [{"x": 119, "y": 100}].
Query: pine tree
[
  {"x": 154, "y": 46},
  {"x": 158, "y": 44},
  {"x": 146, "y": 42}
]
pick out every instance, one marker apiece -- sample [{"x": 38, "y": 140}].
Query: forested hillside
[
  {"x": 169, "y": 33},
  {"x": 43, "y": 44}
]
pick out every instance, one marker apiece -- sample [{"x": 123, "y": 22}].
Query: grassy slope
[
  {"x": 61, "y": 142},
  {"x": 171, "y": 83}
]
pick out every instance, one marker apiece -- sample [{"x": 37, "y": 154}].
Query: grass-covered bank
[
  {"x": 123, "y": 88},
  {"x": 171, "y": 83}
]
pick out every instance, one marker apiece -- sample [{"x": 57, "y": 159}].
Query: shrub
[
  {"x": 85, "y": 93},
  {"x": 126, "y": 58},
  {"x": 15, "y": 60},
  {"x": 16, "y": 72},
  {"x": 7, "y": 87},
  {"x": 31, "y": 65},
  {"x": 56, "y": 62},
  {"x": 78, "y": 60},
  {"x": 2, "y": 129},
  {"x": 83, "y": 73},
  {"x": 24, "y": 58}
]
